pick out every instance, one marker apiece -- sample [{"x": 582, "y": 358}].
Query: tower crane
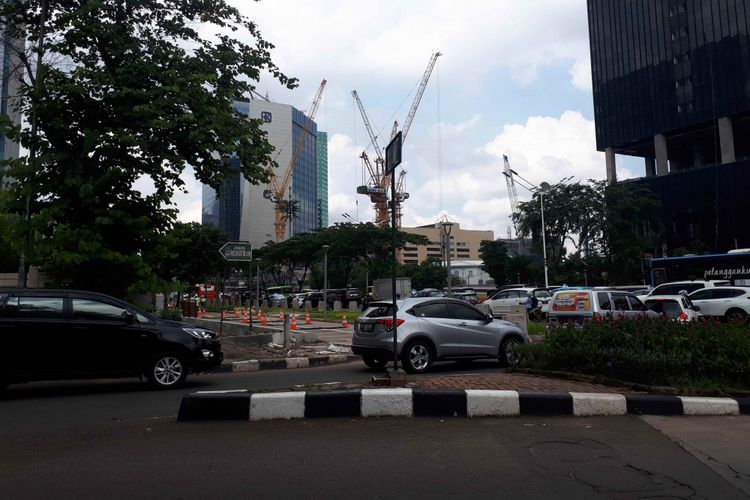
[
  {"x": 378, "y": 185},
  {"x": 511, "y": 185},
  {"x": 276, "y": 190}
]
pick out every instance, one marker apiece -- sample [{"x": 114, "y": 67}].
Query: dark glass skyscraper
[{"x": 671, "y": 81}]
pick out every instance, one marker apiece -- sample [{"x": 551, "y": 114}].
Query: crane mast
[
  {"x": 277, "y": 189},
  {"x": 511, "y": 185}
]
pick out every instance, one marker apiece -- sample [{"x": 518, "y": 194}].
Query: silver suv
[{"x": 432, "y": 329}]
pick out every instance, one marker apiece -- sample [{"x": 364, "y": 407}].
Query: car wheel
[
  {"x": 417, "y": 357},
  {"x": 376, "y": 363},
  {"x": 736, "y": 316},
  {"x": 508, "y": 354},
  {"x": 167, "y": 370}
]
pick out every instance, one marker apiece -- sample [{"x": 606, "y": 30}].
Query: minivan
[
  {"x": 578, "y": 306},
  {"x": 69, "y": 334}
]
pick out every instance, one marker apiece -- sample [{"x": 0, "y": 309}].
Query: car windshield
[{"x": 670, "y": 308}]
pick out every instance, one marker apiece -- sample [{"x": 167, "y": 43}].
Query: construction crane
[
  {"x": 511, "y": 185},
  {"x": 378, "y": 185},
  {"x": 276, "y": 190}
]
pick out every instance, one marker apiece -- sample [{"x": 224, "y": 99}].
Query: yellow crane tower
[
  {"x": 276, "y": 190},
  {"x": 378, "y": 184}
]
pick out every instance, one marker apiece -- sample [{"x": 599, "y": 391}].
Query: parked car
[
  {"x": 674, "y": 307},
  {"x": 731, "y": 303},
  {"x": 470, "y": 297},
  {"x": 352, "y": 295},
  {"x": 432, "y": 329},
  {"x": 275, "y": 298},
  {"x": 430, "y": 292},
  {"x": 677, "y": 287},
  {"x": 578, "y": 306},
  {"x": 68, "y": 334},
  {"x": 502, "y": 301}
]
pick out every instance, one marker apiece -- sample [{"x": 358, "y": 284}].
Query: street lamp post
[
  {"x": 543, "y": 188},
  {"x": 446, "y": 230},
  {"x": 257, "y": 282},
  {"x": 325, "y": 280}
]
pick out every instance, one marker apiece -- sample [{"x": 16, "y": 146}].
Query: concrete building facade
[
  {"x": 11, "y": 72},
  {"x": 470, "y": 273},
  {"x": 671, "y": 82},
  {"x": 464, "y": 243},
  {"x": 240, "y": 209}
]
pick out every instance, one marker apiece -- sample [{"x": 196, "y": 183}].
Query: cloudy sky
[{"x": 514, "y": 79}]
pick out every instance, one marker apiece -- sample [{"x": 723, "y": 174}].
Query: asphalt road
[
  {"x": 62, "y": 404},
  {"x": 519, "y": 458}
]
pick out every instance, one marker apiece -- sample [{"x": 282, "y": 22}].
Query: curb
[
  {"x": 397, "y": 402},
  {"x": 254, "y": 365}
]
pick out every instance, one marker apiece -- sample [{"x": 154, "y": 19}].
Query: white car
[
  {"x": 677, "y": 287},
  {"x": 732, "y": 303},
  {"x": 502, "y": 301},
  {"x": 674, "y": 307}
]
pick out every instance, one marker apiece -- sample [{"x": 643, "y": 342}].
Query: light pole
[
  {"x": 325, "y": 280},
  {"x": 446, "y": 230},
  {"x": 543, "y": 188},
  {"x": 257, "y": 282}
]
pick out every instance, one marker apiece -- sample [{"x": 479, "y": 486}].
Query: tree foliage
[
  {"x": 495, "y": 259},
  {"x": 138, "y": 91},
  {"x": 429, "y": 273},
  {"x": 608, "y": 229}
]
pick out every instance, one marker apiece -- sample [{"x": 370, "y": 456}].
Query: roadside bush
[
  {"x": 648, "y": 351},
  {"x": 170, "y": 313}
]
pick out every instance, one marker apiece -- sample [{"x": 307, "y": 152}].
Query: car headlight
[{"x": 199, "y": 333}]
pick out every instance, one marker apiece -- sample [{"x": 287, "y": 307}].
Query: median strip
[{"x": 392, "y": 402}]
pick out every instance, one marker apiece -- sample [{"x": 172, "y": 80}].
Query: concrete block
[
  {"x": 277, "y": 405},
  {"x": 292, "y": 362},
  {"x": 308, "y": 305},
  {"x": 337, "y": 305},
  {"x": 386, "y": 403},
  {"x": 709, "y": 406},
  {"x": 587, "y": 404},
  {"x": 303, "y": 362},
  {"x": 337, "y": 358},
  {"x": 492, "y": 403},
  {"x": 246, "y": 366},
  {"x": 353, "y": 307}
]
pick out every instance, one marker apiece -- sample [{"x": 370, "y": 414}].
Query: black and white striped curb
[
  {"x": 396, "y": 402},
  {"x": 254, "y": 365}
]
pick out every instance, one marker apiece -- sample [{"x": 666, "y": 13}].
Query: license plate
[{"x": 366, "y": 327}]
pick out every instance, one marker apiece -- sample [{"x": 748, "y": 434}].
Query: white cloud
[{"x": 580, "y": 74}]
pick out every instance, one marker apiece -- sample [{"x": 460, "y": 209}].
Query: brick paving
[{"x": 513, "y": 381}]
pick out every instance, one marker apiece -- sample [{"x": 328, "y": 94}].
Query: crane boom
[
  {"x": 366, "y": 119},
  {"x": 276, "y": 194},
  {"x": 420, "y": 91}
]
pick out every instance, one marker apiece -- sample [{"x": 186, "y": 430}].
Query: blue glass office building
[
  {"x": 322, "y": 179},
  {"x": 240, "y": 209}
]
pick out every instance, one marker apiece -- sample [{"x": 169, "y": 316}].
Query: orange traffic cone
[
  {"x": 308, "y": 319},
  {"x": 245, "y": 319},
  {"x": 237, "y": 312},
  {"x": 281, "y": 316},
  {"x": 293, "y": 326},
  {"x": 344, "y": 322},
  {"x": 259, "y": 315},
  {"x": 263, "y": 321}
]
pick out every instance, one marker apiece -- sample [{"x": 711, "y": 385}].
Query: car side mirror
[
  {"x": 489, "y": 317},
  {"x": 128, "y": 317}
]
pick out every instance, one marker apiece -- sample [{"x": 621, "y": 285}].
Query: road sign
[
  {"x": 393, "y": 154},
  {"x": 237, "y": 251}
]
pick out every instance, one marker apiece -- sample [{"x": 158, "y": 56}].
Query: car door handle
[{"x": 463, "y": 324}]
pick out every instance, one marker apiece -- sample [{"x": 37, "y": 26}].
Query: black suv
[{"x": 67, "y": 334}]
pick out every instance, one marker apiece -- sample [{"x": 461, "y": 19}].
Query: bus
[{"x": 733, "y": 266}]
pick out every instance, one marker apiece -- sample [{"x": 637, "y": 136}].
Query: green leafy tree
[
  {"x": 495, "y": 259},
  {"x": 137, "y": 92},
  {"x": 429, "y": 273}
]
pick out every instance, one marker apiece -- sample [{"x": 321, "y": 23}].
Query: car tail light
[
  {"x": 683, "y": 316},
  {"x": 389, "y": 323}
]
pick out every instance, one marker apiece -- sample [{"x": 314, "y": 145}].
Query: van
[{"x": 578, "y": 306}]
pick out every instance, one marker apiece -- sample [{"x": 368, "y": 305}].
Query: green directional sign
[{"x": 237, "y": 251}]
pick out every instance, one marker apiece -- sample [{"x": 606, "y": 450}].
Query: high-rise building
[
  {"x": 11, "y": 72},
  {"x": 671, "y": 81},
  {"x": 240, "y": 209},
  {"x": 322, "y": 165}
]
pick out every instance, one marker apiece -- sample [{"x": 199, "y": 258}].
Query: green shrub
[
  {"x": 171, "y": 314},
  {"x": 648, "y": 351}
]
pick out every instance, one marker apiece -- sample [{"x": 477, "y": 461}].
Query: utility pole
[{"x": 33, "y": 146}]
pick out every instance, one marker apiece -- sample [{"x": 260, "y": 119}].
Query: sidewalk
[{"x": 512, "y": 381}]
